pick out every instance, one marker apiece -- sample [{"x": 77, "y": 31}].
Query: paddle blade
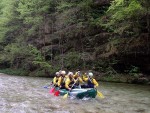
[
  {"x": 57, "y": 93},
  {"x": 52, "y": 90},
  {"x": 46, "y": 87},
  {"x": 100, "y": 94},
  {"x": 65, "y": 96}
]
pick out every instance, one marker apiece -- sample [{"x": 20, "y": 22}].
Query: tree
[{"x": 123, "y": 17}]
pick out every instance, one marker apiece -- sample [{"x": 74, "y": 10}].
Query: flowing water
[{"x": 27, "y": 95}]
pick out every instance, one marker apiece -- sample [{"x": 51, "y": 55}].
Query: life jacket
[
  {"x": 63, "y": 81},
  {"x": 56, "y": 80},
  {"x": 71, "y": 83},
  {"x": 90, "y": 83}
]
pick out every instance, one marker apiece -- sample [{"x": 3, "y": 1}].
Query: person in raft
[
  {"x": 55, "y": 79},
  {"x": 78, "y": 79},
  {"x": 61, "y": 80},
  {"x": 91, "y": 82},
  {"x": 69, "y": 81}
]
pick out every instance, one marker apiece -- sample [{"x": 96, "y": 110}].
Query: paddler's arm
[
  {"x": 95, "y": 83},
  {"x": 80, "y": 80},
  {"x": 85, "y": 78}
]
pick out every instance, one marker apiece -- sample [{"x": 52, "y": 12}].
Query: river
[{"x": 27, "y": 95}]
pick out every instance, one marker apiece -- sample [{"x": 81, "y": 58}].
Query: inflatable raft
[{"x": 80, "y": 93}]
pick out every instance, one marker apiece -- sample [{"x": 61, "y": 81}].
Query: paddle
[
  {"x": 98, "y": 92},
  {"x": 46, "y": 87},
  {"x": 57, "y": 92},
  {"x": 66, "y": 95},
  {"x": 52, "y": 90}
]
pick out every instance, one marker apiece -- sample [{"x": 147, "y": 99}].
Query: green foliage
[
  {"x": 85, "y": 9},
  {"x": 133, "y": 71},
  {"x": 21, "y": 19},
  {"x": 34, "y": 53},
  {"x": 16, "y": 50},
  {"x": 74, "y": 12},
  {"x": 122, "y": 10},
  {"x": 25, "y": 24},
  {"x": 13, "y": 51},
  {"x": 9, "y": 71},
  {"x": 72, "y": 60},
  {"x": 38, "y": 73},
  {"x": 63, "y": 5},
  {"x": 123, "y": 16},
  {"x": 32, "y": 13},
  {"x": 8, "y": 14},
  {"x": 42, "y": 64}
]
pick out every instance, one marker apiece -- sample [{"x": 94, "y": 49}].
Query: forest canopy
[{"x": 42, "y": 36}]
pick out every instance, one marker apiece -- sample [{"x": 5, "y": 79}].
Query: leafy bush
[
  {"x": 70, "y": 60},
  {"x": 123, "y": 16},
  {"x": 133, "y": 71},
  {"x": 20, "y": 72}
]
